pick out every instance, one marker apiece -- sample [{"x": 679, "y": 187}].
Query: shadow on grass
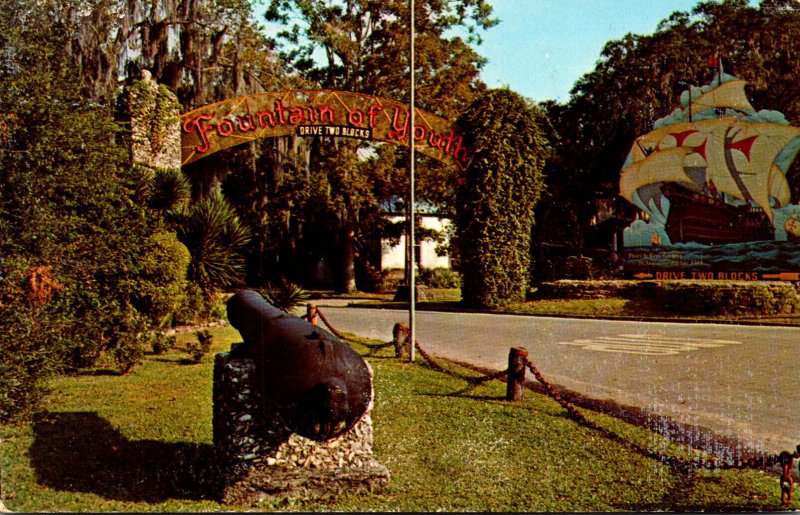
[{"x": 81, "y": 452}]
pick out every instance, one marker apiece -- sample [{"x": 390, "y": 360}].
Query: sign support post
[{"x": 412, "y": 287}]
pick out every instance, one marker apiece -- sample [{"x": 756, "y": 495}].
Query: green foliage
[
  {"x": 200, "y": 306},
  {"x": 285, "y": 296},
  {"x": 727, "y": 298},
  {"x": 439, "y": 278},
  {"x": 160, "y": 289},
  {"x": 495, "y": 204},
  {"x": 211, "y": 231},
  {"x": 335, "y": 215},
  {"x": 201, "y": 346},
  {"x": 25, "y": 362},
  {"x": 170, "y": 189},
  {"x": 162, "y": 342}
]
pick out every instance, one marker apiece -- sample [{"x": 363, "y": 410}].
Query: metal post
[{"x": 412, "y": 287}]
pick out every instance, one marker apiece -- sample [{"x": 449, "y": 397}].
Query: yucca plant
[
  {"x": 170, "y": 189},
  {"x": 285, "y": 296},
  {"x": 216, "y": 239}
]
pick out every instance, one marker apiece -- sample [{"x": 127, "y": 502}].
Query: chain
[
  {"x": 758, "y": 462},
  {"x": 343, "y": 337}
]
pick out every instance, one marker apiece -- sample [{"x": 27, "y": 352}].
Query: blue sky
[{"x": 541, "y": 47}]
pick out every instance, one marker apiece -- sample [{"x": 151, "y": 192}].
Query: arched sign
[{"x": 312, "y": 113}]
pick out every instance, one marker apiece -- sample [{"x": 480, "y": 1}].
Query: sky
[{"x": 542, "y": 47}]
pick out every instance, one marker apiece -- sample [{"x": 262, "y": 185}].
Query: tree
[
  {"x": 365, "y": 46},
  {"x": 496, "y": 203}
]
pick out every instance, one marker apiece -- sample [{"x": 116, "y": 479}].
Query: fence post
[
  {"x": 311, "y": 313},
  {"x": 516, "y": 373},
  {"x": 401, "y": 339}
]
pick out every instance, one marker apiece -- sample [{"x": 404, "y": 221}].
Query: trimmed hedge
[{"x": 688, "y": 298}]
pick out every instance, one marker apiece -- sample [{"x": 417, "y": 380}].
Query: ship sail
[
  {"x": 728, "y": 95},
  {"x": 663, "y": 166},
  {"x": 728, "y": 153}
]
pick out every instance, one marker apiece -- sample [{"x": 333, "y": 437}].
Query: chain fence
[{"x": 759, "y": 462}]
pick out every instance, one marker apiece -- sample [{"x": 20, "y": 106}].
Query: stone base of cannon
[{"x": 260, "y": 461}]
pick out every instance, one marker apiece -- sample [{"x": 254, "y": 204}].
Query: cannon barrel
[{"x": 318, "y": 385}]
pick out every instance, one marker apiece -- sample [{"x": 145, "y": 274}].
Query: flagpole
[{"x": 412, "y": 287}]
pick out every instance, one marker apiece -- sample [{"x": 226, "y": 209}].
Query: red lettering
[
  {"x": 246, "y": 123},
  {"x": 355, "y": 117},
  {"x": 436, "y": 140},
  {"x": 198, "y": 124},
  {"x": 374, "y": 109},
  {"x": 461, "y": 153},
  {"x": 450, "y": 138},
  {"x": 297, "y": 115},
  {"x": 326, "y": 115},
  {"x": 419, "y": 132},
  {"x": 398, "y": 132},
  {"x": 225, "y": 127},
  {"x": 262, "y": 115},
  {"x": 279, "y": 110}
]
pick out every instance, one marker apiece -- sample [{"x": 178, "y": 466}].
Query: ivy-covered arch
[{"x": 313, "y": 113}]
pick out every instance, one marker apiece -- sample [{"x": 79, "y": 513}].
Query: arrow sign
[
  {"x": 783, "y": 276},
  {"x": 642, "y": 275}
]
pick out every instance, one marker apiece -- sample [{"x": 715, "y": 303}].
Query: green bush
[
  {"x": 728, "y": 298},
  {"x": 439, "y": 278},
  {"x": 200, "y": 306},
  {"x": 161, "y": 287},
  {"x": 285, "y": 296},
  {"x": 495, "y": 204},
  {"x": 25, "y": 362},
  {"x": 216, "y": 240},
  {"x": 201, "y": 346},
  {"x": 162, "y": 342}
]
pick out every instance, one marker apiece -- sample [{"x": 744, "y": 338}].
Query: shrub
[
  {"x": 439, "y": 278},
  {"x": 728, "y": 298},
  {"x": 496, "y": 202},
  {"x": 286, "y": 296},
  {"x": 201, "y": 347},
  {"x": 162, "y": 342},
  {"x": 25, "y": 362},
  {"x": 200, "y": 306},
  {"x": 216, "y": 240},
  {"x": 161, "y": 287}
]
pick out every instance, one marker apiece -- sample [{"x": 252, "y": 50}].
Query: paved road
[{"x": 738, "y": 381}]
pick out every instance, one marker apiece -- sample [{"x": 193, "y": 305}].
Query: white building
[{"x": 394, "y": 256}]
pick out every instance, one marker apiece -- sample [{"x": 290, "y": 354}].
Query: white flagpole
[{"x": 412, "y": 288}]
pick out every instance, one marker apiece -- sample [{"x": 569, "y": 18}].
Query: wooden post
[
  {"x": 516, "y": 373},
  {"x": 401, "y": 340},
  {"x": 311, "y": 313}
]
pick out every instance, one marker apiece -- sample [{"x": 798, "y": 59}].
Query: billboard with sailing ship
[{"x": 710, "y": 181}]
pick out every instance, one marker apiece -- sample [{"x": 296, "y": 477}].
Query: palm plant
[
  {"x": 216, "y": 239},
  {"x": 170, "y": 189}
]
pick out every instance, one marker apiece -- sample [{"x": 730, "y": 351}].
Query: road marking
[{"x": 647, "y": 345}]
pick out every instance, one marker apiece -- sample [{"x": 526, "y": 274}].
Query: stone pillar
[
  {"x": 260, "y": 460},
  {"x": 154, "y": 113}
]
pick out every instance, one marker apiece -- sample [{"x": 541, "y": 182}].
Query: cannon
[{"x": 317, "y": 385}]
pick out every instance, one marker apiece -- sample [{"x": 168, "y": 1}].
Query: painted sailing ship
[{"x": 714, "y": 170}]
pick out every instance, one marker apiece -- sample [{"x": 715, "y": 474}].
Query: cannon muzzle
[{"x": 318, "y": 385}]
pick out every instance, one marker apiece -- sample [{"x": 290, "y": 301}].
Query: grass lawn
[{"x": 142, "y": 442}]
